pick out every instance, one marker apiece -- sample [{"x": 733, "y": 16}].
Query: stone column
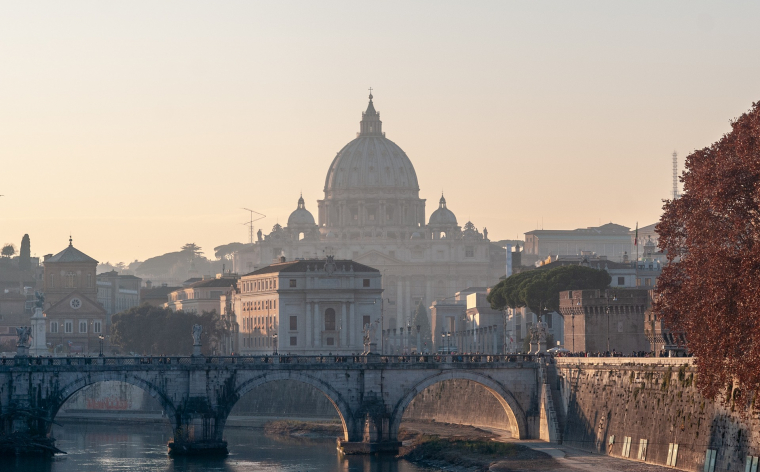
[
  {"x": 317, "y": 326},
  {"x": 399, "y": 302},
  {"x": 344, "y": 326},
  {"x": 356, "y": 331},
  {"x": 407, "y": 300},
  {"x": 309, "y": 326}
]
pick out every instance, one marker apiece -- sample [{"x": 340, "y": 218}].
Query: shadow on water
[{"x": 142, "y": 448}]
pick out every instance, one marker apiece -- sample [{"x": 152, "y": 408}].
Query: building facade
[
  {"x": 118, "y": 292},
  {"x": 203, "y": 295},
  {"x": 605, "y": 320},
  {"x": 371, "y": 213},
  {"x": 75, "y": 320},
  {"x": 312, "y": 306},
  {"x": 467, "y": 323},
  {"x": 610, "y": 240}
]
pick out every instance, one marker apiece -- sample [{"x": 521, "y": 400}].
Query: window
[
  {"x": 626, "y": 446},
  {"x": 365, "y": 321},
  {"x": 365, "y": 283},
  {"x": 292, "y": 283},
  {"x": 96, "y": 327},
  {"x": 648, "y": 282},
  {"x": 82, "y": 326},
  {"x": 70, "y": 280},
  {"x": 52, "y": 283},
  {"x": 330, "y": 341},
  {"x": 673, "y": 455},
  {"x": 638, "y": 282},
  {"x": 710, "y": 460},
  {"x": 293, "y": 341},
  {"x": 293, "y": 323},
  {"x": 53, "y": 326},
  {"x": 621, "y": 280},
  {"x": 469, "y": 251},
  {"x": 89, "y": 280},
  {"x": 329, "y": 319},
  {"x": 68, "y": 326}
]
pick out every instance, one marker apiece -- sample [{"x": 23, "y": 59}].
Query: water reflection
[{"x": 140, "y": 448}]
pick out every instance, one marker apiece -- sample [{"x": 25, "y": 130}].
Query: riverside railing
[{"x": 158, "y": 361}]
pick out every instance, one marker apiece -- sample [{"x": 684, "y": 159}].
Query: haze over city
[{"x": 140, "y": 126}]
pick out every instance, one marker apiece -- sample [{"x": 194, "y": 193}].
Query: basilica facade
[{"x": 372, "y": 213}]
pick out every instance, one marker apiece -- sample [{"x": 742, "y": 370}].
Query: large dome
[{"x": 371, "y": 161}]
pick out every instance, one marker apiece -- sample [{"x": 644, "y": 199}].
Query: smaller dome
[
  {"x": 442, "y": 216},
  {"x": 301, "y": 216}
]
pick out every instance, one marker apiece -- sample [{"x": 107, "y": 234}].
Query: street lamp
[
  {"x": 101, "y": 338},
  {"x": 274, "y": 343}
]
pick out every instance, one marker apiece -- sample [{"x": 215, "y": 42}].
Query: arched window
[
  {"x": 70, "y": 280},
  {"x": 329, "y": 319},
  {"x": 52, "y": 281},
  {"x": 89, "y": 280}
]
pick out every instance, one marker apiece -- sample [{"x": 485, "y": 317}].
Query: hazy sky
[{"x": 140, "y": 126}]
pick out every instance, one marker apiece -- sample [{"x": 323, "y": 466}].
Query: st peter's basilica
[{"x": 372, "y": 213}]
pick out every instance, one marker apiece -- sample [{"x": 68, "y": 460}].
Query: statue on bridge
[
  {"x": 23, "y": 333},
  {"x": 369, "y": 337},
  {"x": 39, "y": 299},
  {"x": 197, "y": 330}
]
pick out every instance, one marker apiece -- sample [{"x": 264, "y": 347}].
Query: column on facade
[
  {"x": 308, "y": 342},
  {"x": 428, "y": 291},
  {"x": 399, "y": 302},
  {"x": 495, "y": 340},
  {"x": 317, "y": 326},
  {"x": 357, "y": 325},
  {"x": 344, "y": 326},
  {"x": 408, "y": 300}
]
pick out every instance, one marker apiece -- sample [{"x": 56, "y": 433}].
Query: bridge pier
[{"x": 197, "y": 434}]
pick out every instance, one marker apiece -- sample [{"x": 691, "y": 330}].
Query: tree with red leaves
[{"x": 711, "y": 288}]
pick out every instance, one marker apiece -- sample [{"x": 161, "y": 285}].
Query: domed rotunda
[{"x": 371, "y": 184}]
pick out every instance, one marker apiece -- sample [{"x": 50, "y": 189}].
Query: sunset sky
[{"x": 141, "y": 126}]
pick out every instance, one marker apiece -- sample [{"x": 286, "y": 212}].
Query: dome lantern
[{"x": 370, "y": 124}]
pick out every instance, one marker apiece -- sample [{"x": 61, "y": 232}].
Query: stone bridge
[{"x": 370, "y": 393}]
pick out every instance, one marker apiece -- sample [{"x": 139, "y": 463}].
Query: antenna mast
[
  {"x": 675, "y": 175},
  {"x": 250, "y": 222}
]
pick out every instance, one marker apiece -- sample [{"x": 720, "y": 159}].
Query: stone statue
[
  {"x": 541, "y": 331},
  {"x": 258, "y": 235},
  {"x": 197, "y": 330},
  {"x": 40, "y": 299},
  {"x": 23, "y": 335},
  {"x": 369, "y": 335}
]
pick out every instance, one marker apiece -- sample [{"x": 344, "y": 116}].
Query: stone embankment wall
[{"x": 605, "y": 401}]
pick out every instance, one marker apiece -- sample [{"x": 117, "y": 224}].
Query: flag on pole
[{"x": 636, "y": 238}]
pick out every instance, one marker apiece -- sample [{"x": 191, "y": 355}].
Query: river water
[{"x": 138, "y": 448}]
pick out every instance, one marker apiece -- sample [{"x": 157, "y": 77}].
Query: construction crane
[{"x": 251, "y": 221}]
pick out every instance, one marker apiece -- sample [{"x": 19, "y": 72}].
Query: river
[{"x": 138, "y": 448}]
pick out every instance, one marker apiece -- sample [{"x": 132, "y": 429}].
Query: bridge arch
[
  {"x": 517, "y": 422},
  {"x": 337, "y": 400},
  {"x": 91, "y": 378}
]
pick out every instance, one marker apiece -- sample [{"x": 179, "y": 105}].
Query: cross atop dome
[{"x": 442, "y": 202}]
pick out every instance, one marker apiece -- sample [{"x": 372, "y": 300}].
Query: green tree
[
  {"x": 148, "y": 329},
  {"x": 538, "y": 289},
  {"x": 8, "y": 250},
  {"x": 426, "y": 333},
  {"x": 226, "y": 250},
  {"x": 25, "y": 256},
  {"x": 192, "y": 249}
]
